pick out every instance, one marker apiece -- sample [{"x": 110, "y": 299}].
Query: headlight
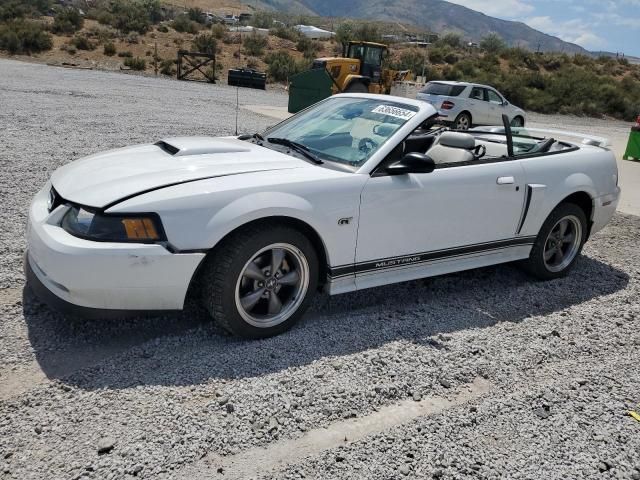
[{"x": 141, "y": 228}]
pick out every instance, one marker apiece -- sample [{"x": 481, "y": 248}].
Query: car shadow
[{"x": 186, "y": 348}]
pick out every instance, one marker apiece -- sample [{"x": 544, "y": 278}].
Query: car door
[
  {"x": 495, "y": 107},
  {"x": 413, "y": 225},
  {"x": 478, "y": 106}
]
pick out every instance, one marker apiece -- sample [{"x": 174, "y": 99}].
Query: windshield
[{"x": 345, "y": 130}]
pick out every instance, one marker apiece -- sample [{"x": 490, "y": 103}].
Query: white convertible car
[{"x": 354, "y": 192}]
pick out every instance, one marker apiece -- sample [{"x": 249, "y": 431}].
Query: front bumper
[{"x": 102, "y": 275}]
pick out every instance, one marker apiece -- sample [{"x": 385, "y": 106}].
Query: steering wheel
[{"x": 365, "y": 145}]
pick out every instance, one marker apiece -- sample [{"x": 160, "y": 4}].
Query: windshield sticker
[{"x": 394, "y": 111}]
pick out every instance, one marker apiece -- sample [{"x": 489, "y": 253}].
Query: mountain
[{"x": 434, "y": 15}]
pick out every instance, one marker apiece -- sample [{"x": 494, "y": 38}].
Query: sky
[{"x": 611, "y": 25}]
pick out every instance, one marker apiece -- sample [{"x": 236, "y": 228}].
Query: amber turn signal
[{"x": 140, "y": 229}]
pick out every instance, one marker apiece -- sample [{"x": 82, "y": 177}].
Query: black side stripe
[
  {"x": 418, "y": 258},
  {"x": 527, "y": 203}
]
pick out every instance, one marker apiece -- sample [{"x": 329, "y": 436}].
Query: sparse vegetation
[
  {"x": 125, "y": 54},
  {"x": 254, "y": 44},
  {"x": 492, "y": 43},
  {"x": 135, "y": 63},
  {"x": 281, "y": 65},
  {"x": 205, "y": 43},
  {"x": 109, "y": 49},
  {"x": 308, "y": 47},
  {"x": 24, "y": 37},
  {"x": 167, "y": 67},
  {"x": 82, "y": 43},
  {"x": 262, "y": 19},
  {"x": 67, "y": 20},
  {"x": 183, "y": 24}
]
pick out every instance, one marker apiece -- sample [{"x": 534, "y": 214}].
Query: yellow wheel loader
[{"x": 359, "y": 70}]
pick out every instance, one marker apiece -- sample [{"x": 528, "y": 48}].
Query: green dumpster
[
  {"x": 307, "y": 88},
  {"x": 633, "y": 146}
]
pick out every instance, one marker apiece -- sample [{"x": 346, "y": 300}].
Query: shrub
[
  {"x": 252, "y": 62},
  {"x": 308, "y": 47},
  {"x": 14, "y": 9},
  {"x": 280, "y": 65},
  {"x": 125, "y": 54},
  {"x": 219, "y": 31},
  {"x": 345, "y": 32},
  {"x": 205, "y": 42},
  {"x": 451, "y": 58},
  {"x": 451, "y": 39},
  {"x": 262, "y": 20},
  {"x": 167, "y": 67},
  {"x": 412, "y": 59},
  {"x": 135, "y": 63},
  {"x": 183, "y": 24},
  {"x": 130, "y": 16},
  {"x": 163, "y": 28},
  {"x": 109, "y": 49},
  {"x": 492, "y": 43},
  {"x": 436, "y": 55},
  {"x": 67, "y": 20},
  {"x": 82, "y": 43},
  {"x": 20, "y": 36},
  {"x": 132, "y": 38},
  {"x": 368, "y": 32},
  {"x": 196, "y": 15},
  {"x": 286, "y": 33},
  {"x": 254, "y": 45}
]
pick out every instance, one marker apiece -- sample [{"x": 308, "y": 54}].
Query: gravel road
[{"x": 482, "y": 374}]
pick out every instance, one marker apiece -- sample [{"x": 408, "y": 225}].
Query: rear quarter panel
[{"x": 552, "y": 178}]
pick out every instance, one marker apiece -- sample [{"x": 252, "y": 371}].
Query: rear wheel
[
  {"x": 260, "y": 281},
  {"x": 517, "y": 122},
  {"x": 357, "y": 87},
  {"x": 462, "y": 122},
  {"x": 559, "y": 242}
]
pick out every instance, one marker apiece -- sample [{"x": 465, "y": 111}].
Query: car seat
[{"x": 453, "y": 147}]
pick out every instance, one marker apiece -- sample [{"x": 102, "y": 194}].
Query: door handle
[{"x": 505, "y": 180}]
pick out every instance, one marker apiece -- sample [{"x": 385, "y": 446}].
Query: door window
[
  {"x": 494, "y": 97},
  {"x": 477, "y": 94}
]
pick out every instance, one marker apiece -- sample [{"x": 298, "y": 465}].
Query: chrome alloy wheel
[
  {"x": 562, "y": 243},
  {"x": 463, "y": 123},
  {"x": 272, "y": 285}
]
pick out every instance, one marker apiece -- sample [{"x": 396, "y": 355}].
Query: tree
[
  {"x": 452, "y": 39},
  {"x": 368, "y": 32},
  {"x": 492, "y": 43},
  {"x": 345, "y": 32}
]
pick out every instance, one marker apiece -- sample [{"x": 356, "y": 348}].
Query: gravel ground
[{"x": 173, "y": 397}]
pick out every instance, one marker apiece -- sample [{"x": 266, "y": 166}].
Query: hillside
[{"x": 433, "y": 15}]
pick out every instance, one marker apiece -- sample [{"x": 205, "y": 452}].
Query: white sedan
[{"x": 354, "y": 192}]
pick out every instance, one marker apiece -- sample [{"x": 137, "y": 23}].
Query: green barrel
[
  {"x": 307, "y": 88},
  {"x": 633, "y": 146}
]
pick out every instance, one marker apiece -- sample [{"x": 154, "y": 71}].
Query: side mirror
[{"x": 413, "y": 162}]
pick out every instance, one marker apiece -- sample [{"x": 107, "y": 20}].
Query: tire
[
  {"x": 238, "y": 287},
  {"x": 543, "y": 263},
  {"x": 357, "y": 87},
  {"x": 517, "y": 122},
  {"x": 462, "y": 122}
]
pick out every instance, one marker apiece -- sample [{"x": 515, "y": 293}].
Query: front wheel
[
  {"x": 559, "y": 242},
  {"x": 260, "y": 281},
  {"x": 517, "y": 122}
]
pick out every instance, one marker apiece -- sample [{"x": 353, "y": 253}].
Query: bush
[
  {"x": 308, "y": 47},
  {"x": 345, "y": 32},
  {"x": 20, "y": 36},
  {"x": 163, "y": 28},
  {"x": 286, "y": 33},
  {"x": 254, "y": 45},
  {"x": 262, "y": 20},
  {"x": 281, "y": 66},
  {"x": 82, "y": 43},
  {"x": 125, "y": 54},
  {"x": 368, "y": 32},
  {"x": 15, "y": 9},
  {"x": 130, "y": 16},
  {"x": 136, "y": 63},
  {"x": 67, "y": 20},
  {"x": 412, "y": 59},
  {"x": 167, "y": 67},
  {"x": 450, "y": 39},
  {"x": 493, "y": 43},
  {"x": 205, "y": 43},
  {"x": 109, "y": 49},
  {"x": 436, "y": 55},
  {"x": 219, "y": 31},
  {"x": 196, "y": 15},
  {"x": 183, "y": 24}
]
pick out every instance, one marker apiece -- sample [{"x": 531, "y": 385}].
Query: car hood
[{"x": 105, "y": 178}]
